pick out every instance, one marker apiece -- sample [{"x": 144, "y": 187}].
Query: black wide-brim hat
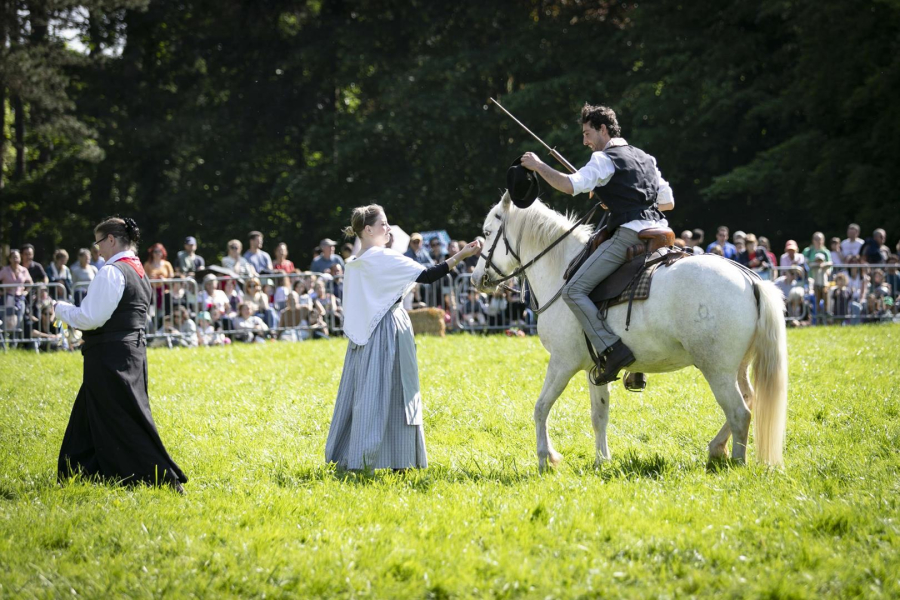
[{"x": 523, "y": 185}]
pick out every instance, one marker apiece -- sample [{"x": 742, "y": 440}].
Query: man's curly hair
[{"x": 601, "y": 115}]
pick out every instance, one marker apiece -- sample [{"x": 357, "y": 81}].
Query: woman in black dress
[{"x": 111, "y": 433}]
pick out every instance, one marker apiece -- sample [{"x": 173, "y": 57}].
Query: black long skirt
[{"x": 111, "y": 434}]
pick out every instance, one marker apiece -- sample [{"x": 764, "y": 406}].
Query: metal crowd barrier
[{"x": 28, "y": 319}]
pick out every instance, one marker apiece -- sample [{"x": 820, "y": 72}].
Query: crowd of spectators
[
  {"x": 250, "y": 298},
  {"x": 847, "y": 281}
]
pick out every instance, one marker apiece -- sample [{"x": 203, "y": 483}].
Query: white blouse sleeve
[{"x": 102, "y": 298}]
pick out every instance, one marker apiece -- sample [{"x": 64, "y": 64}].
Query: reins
[{"x": 501, "y": 233}]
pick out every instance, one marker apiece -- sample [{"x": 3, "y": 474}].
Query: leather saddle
[{"x": 611, "y": 287}]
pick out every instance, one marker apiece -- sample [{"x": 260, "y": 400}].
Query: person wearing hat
[
  {"x": 328, "y": 257},
  {"x": 792, "y": 256},
  {"x": 111, "y": 434},
  {"x": 188, "y": 261},
  {"x": 417, "y": 251},
  {"x": 631, "y": 187}
]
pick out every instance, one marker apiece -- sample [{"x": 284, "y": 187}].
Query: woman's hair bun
[
  {"x": 131, "y": 228},
  {"x": 348, "y": 232}
]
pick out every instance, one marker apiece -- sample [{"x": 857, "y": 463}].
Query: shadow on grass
[{"x": 506, "y": 473}]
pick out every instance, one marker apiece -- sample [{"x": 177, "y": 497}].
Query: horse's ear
[{"x": 505, "y": 201}]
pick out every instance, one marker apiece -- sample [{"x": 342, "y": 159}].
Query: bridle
[{"x": 521, "y": 271}]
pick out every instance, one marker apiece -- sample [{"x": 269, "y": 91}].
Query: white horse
[{"x": 702, "y": 311}]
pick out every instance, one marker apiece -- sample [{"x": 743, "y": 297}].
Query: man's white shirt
[
  {"x": 103, "y": 296},
  {"x": 600, "y": 169}
]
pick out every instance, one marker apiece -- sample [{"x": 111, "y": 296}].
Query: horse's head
[{"x": 497, "y": 258}]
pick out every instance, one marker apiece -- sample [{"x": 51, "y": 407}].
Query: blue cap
[{"x": 190, "y": 240}]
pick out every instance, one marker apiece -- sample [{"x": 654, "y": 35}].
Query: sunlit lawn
[{"x": 264, "y": 515}]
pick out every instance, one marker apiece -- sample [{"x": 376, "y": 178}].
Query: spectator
[
  {"x": 834, "y": 245},
  {"x": 728, "y": 249},
  {"x": 238, "y": 263},
  {"x": 818, "y": 245},
  {"x": 688, "y": 238},
  {"x": 739, "y": 246},
  {"x": 417, "y": 252},
  {"x": 211, "y": 296},
  {"x": 249, "y": 328},
  {"x": 738, "y": 236},
  {"x": 840, "y": 299},
  {"x": 178, "y": 295},
  {"x": 323, "y": 262},
  {"x": 234, "y": 294},
  {"x": 35, "y": 269},
  {"x": 347, "y": 253},
  {"x": 258, "y": 298},
  {"x": 158, "y": 267},
  {"x": 281, "y": 259},
  {"x": 496, "y": 308},
  {"x": 281, "y": 293},
  {"x": 333, "y": 310},
  {"x": 437, "y": 249},
  {"x": 858, "y": 279},
  {"x": 717, "y": 250},
  {"x": 791, "y": 278},
  {"x": 755, "y": 257},
  {"x": 14, "y": 297},
  {"x": 879, "y": 286},
  {"x": 792, "y": 256},
  {"x": 697, "y": 238},
  {"x": 219, "y": 325},
  {"x": 337, "y": 286},
  {"x": 58, "y": 273},
  {"x": 474, "y": 310},
  {"x": 765, "y": 245},
  {"x": 83, "y": 273},
  {"x": 891, "y": 276},
  {"x": 874, "y": 251},
  {"x": 206, "y": 333},
  {"x": 48, "y": 333},
  {"x": 874, "y": 310},
  {"x": 97, "y": 260},
  {"x": 853, "y": 244},
  {"x": 797, "y": 311},
  {"x": 188, "y": 261},
  {"x": 182, "y": 332},
  {"x": 258, "y": 257},
  {"x": 819, "y": 271}
]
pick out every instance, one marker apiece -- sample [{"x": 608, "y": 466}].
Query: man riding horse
[{"x": 630, "y": 186}]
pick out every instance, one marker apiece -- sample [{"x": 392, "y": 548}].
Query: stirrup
[
  {"x": 594, "y": 376},
  {"x": 634, "y": 382}
]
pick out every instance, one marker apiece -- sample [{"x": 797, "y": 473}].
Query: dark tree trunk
[{"x": 19, "y": 109}]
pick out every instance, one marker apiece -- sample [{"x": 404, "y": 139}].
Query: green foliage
[
  {"x": 264, "y": 515},
  {"x": 214, "y": 118}
]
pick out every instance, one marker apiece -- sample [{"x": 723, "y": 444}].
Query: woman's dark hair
[
  {"x": 362, "y": 217},
  {"x": 124, "y": 229},
  {"x": 601, "y": 115}
]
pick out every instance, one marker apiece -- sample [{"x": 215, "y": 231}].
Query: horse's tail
[{"x": 770, "y": 375}]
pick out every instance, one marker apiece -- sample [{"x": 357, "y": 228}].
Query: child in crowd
[
  {"x": 820, "y": 271},
  {"x": 840, "y": 299},
  {"x": 250, "y": 328}
]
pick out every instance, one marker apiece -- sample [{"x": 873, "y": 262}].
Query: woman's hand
[{"x": 471, "y": 249}]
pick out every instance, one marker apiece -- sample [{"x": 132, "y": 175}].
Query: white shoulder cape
[{"x": 373, "y": 283}]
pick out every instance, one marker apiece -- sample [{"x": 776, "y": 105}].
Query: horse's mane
[{"x": 544, "y": 225}]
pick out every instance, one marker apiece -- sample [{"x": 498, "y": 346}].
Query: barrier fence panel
[
  {"x": 304, "y": 305},
  {"x": 846, "y": 294}
]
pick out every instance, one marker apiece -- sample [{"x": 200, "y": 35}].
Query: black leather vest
[
  {"x": 131, "y": 313},
  {"x": 631, "y": 192}
]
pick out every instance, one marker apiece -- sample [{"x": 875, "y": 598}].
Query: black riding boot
[{"x": 617, "y": 357}]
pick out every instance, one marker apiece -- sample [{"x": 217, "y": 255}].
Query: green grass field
[{"x": 265, "y": 517}]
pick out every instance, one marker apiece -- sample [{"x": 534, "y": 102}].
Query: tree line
[{"x": 214, "y": 118}]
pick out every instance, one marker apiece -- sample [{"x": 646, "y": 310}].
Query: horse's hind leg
[
  {"x": 555, "y": 382},
  {"x": 718, "y": 447},
  {"x": 726, "y": 389},
  {"x": 599, "y": 420}
]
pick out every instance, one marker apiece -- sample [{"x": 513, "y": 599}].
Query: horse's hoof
[{"x": 555, "y": 458}]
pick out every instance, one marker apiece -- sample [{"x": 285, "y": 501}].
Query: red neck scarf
[{"x": 134, "y": 263}]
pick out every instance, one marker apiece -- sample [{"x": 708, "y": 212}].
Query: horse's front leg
[
  {"x": 554, "y": 383},
  {"x": 599, "y": 420}
]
